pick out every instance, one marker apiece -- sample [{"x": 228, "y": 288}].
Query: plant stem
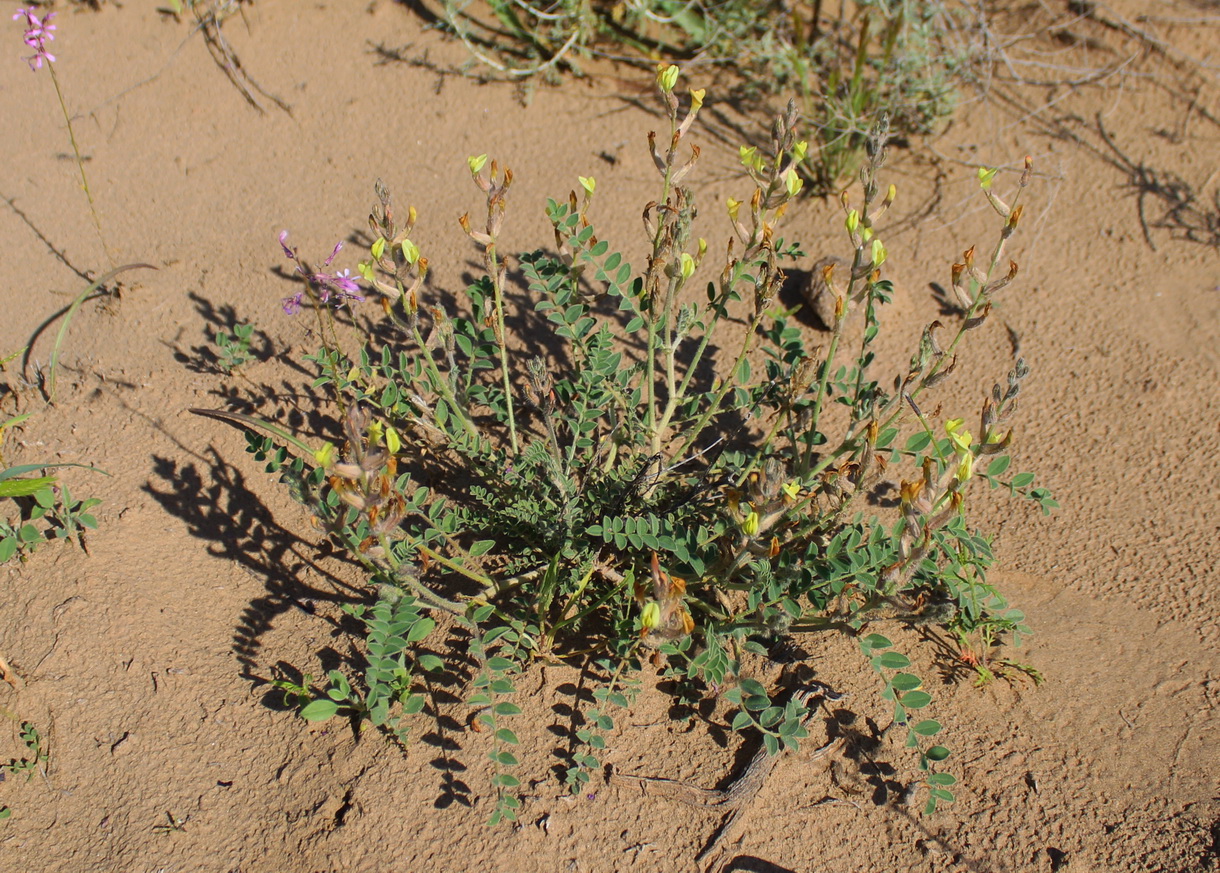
[
  {"x": 428, "y": 595},
  {"x": 329, "y": 343},
  {"x": 443, "y": 386},
  {"x": 729, "y": 382},
  {"x": 704, "y": 340},
  {"x": 671, "y": 350},
  {"x": 80, "y": 163},
  {"x": 823, "y": 388},
  {"x": 653, "y": 321},
  {"x": 494, "y": 269}
]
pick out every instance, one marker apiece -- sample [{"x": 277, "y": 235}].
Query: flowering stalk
[
  {"x": 495, "y": 188},
  {"x": 37, "y": 35},
  {"x": 324, "y": 289}
]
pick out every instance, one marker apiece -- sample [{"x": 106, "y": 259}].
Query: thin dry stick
[
  {"x": 8, "y": 675},
  {"x": 225, "y": 58}
]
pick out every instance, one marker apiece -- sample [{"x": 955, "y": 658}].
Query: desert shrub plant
[{"x": 647, "y": 490}]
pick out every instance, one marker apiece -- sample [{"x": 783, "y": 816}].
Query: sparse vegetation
[{"x": 848, "y": 63}]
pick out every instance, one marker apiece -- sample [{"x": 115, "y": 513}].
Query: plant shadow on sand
[
  {"x": 219, "y": 319},
  {"x": 220, "y": 509}
]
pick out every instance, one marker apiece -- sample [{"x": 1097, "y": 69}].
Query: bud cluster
[
  {"x": 364, "y": 477},
  {"x": 860, "y": 221},
  {"x": 402, "y": 267}
]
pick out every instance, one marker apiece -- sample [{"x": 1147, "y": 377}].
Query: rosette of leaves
[{"x": 630, "y": 491}]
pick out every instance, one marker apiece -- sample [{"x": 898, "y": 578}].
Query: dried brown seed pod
[{"x": 817, "y": 293}]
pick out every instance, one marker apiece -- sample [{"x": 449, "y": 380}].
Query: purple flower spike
[
  {"x": 338, "y": 246},
  {"x": 330, "y": 287},
  {"x": 37, "y": 35}
]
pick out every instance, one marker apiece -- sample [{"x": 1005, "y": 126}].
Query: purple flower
[
  {"x": 329, "y": 287},
  {"x": 37, "y": 35},
  {"x": 292, "y": 305}
]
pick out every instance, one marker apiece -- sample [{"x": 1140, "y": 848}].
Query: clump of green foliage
[
  {"x": 848, "y": 62},
  {"x": 38, "y": 757},
  {"x": 34, "y": 764},
  {"x": 35, "y": 507},
  {"x": 233, "y": 349},
  {"x": 44, "y": 509},
  {"x": 633, "y": 491}
]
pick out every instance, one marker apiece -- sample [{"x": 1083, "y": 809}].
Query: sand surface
[{"x": 145, "y": 662}]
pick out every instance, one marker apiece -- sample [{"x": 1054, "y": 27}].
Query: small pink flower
[
  {"x": 37, "y": 35},
  {"x": 330, "y": 287}
]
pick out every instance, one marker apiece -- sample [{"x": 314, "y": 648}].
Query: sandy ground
[{"x": 145, "y": 662}]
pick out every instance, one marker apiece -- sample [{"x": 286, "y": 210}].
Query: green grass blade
[
  {"x": 76, "y": 304},
  {"x": 25, "y": 487},
  {"x": 22, "y": 469}
]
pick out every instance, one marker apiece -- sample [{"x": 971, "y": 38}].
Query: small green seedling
[
  {"x": 37, "y": 760},
  {"x": 62, "y": 515},
  {"x": 234, "y": 348},
  {"x": 297, "y": 695}
]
